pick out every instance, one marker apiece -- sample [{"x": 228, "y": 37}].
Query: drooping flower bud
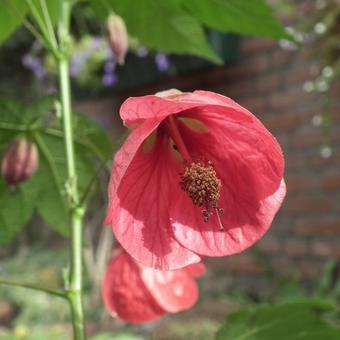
[
  {"x": 19, "y": 161},
  {"x": 118, "y": 37}
]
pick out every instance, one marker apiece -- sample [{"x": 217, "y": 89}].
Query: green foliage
[
  {"x": 162, "y": 25},
  {"x": 33, "y": 332},
  {"x": 13, "y": 219},
  {"x": 118, "y": 336},
  {"x": 303, "y": 320},
  {"x": 172, "y": 26},
  {"x": 42, "y": 267},
  {"x": 244, "y": 17},
  {"x": 12, "y": 13},
  {"x": 175, "y": 26},
  {"x": 46, "y": 191}
]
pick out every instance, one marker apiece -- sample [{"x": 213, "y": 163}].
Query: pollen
[{"x": 199, "y": 180}]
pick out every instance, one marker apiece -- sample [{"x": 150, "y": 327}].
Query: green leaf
[
  {"x": 253, "y": 17},
  {"x": 16, "y": 209},
  {"x": 52, "y": 177},
  {"x": 49, "y": 183},
  {"x": 161, "y": 25},
  {"x": 12, "y": 13},
  {"x": 53, "y": 9},
  {"x": 294, "y": 321},
  {"x": 91, "y": 135},
  {"x": 16, "y": 118}
]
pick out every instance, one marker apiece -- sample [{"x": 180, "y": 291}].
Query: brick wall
[{"x": 269, "y": 82}]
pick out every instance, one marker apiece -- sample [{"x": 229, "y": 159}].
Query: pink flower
[
  {"x": 19, "y": 162},
  {"x": 140, "y": 294},
  {"x": 199, "y": 175}
]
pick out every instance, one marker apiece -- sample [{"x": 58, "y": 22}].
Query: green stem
[
  {"x": 75, "y": 284},
  {"x": 54, "y": 292},
  {"x": 13, "y": 127}
]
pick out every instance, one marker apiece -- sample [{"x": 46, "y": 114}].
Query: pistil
[
  {"x": 172, "y": 129},
  {"x": 199, "y": 179}
]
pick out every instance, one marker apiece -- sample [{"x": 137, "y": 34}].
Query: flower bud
[
  {"x": 19, "y": 162},
  {"x": 118, "y": 37}
]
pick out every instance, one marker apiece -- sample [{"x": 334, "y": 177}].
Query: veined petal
[
  {"x": 125, "y": 294},
  {"x": 174, "y": 290},
  {"x": 243, "y": 150},
  {"x": 244, "y": 223},
  {"x": 136, "y": 109},
  {"x": 124, "y": 157},
  {"x": 140, "y": 210},
  {"x": 249, "y": 163}
]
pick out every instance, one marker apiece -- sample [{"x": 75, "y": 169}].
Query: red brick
[
  {"x": 309, "y": 268},
  {"x": 243, "y": 263},
  {"x": 300, "y": 183},
  {"x": 283, "y": 138},
  {"x": 295, "y": 162},
  {"x": 313, "y": 136},
  {"x": 290, "y": 99},
  {"x": 267, "y": 82},
  {"x": 249, "y": 67},
  {"x": 281, "y": 121},
  {"x": 295, "y": 247},
  {"x": 257, "y": 104},
  {"x": 308, "y": 137},
  {"x": 257, "y": 45},
  {"x": 306, "y": 204},
  {"x": 269, "y": 245},
  {"x": 306, "y": 53},
  {"x": 280, "y": 58},
  {"x": 317, "y": 161},
  {"x": 331, "y": 182},
  {"x": 282, "y": 265},
  {"x": 322, "y": 249},
  {"x": 237, "y": 88},
  {"x": 298, "y": 75},
  {"x": 322, "y": 226}
]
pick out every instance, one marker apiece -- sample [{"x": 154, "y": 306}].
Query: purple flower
[
  {"x": 95, "y": 43},
  {"x": 35, "y": 65},
  {"x": 142, "y": 52},
  {"x": 78, "y": 61},
  {"x": 162, "y": 62},
  {"x": 109, "y": 79},
  {"x": 109, "y": 66}
]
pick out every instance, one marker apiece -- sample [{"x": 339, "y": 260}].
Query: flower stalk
[{"x": 74, "y": 284}]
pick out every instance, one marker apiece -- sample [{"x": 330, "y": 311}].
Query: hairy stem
[{"x": 75, "y": 284}]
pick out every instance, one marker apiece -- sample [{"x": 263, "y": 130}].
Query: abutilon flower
[
  {"x": 139, "y": 294},
  {"x": 118, "y": 37},
  {"x": 199, "y": 175},
  {"x": 19, "y": 161}
]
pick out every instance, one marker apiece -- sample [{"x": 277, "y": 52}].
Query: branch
[{"x": 54, "y": 292}]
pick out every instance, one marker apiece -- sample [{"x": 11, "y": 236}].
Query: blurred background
[{"x": 292, "y": 87}]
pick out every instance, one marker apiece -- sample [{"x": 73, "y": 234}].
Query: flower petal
[
  {"x": 136, "y": 109},
  {"x": 124, "y": 157},
  {"x": 244, "y": 223},
  {"x": 124, "y": 293},
  {"x": 140, "y": 210},
  {"x": 174, "y": 290},
  {"x": 196, "y": 269}
]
